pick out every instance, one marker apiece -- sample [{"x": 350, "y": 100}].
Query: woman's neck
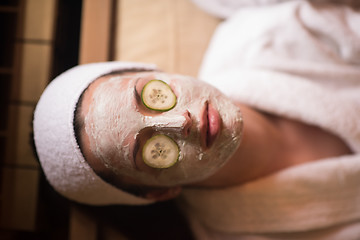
[{"x": 270, "y": 144}]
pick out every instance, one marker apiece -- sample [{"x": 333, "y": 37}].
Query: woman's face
[{"x": 205, "y": 125}]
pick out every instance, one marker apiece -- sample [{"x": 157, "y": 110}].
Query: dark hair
[{"x": 78, "y": 121}]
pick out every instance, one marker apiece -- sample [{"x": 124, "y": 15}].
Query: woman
[{"x": 247, "y": 163}]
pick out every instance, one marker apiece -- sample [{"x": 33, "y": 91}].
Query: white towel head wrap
[{"x": 59, "y": 154}]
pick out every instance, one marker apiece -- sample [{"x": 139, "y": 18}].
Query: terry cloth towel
[
  {"x": 226, "y": 8},
  {"x": 298, "y": 60},
  {"x": 59, "y": 154}
]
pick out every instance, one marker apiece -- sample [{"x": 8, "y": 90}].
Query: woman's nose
[{"x": 175, "y": 122}]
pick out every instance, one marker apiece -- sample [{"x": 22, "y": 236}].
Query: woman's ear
[{"x": 163, "y": 194}]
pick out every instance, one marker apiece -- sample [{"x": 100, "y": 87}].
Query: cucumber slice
[
  {"x": 160, "y": 151},
  {"x": 157, "y": 95}
]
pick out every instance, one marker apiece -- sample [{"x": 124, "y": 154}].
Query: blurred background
[{"x": 39, "y": 40}]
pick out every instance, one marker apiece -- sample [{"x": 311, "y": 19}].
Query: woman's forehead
[{"x": 89, "y": 92}]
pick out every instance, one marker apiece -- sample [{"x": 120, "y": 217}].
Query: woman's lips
[
  {"x": 213, "y": 125},
  {"x": 210, "y": 124}
]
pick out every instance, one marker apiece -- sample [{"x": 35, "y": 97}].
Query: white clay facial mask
[{"x": 200, "y": 127}]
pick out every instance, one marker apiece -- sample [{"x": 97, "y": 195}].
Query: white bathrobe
[{"x": 300, "y": 61}]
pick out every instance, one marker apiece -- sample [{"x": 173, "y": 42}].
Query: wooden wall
[{"x": 26, "y": 54}]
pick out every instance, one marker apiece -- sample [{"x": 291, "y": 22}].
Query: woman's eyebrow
[
  {"x": 136, "y": 94},
  {"x": 135, "y": 150}
]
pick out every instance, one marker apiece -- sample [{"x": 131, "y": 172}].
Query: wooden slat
[
  {"x": 39, "y": 19},
  {"x": 4, "y": 70},
  {"x": 19, "y": 198},
  {"x": 193, "y": 31},
  {"x": 8, "y": 9},
  {"x": 145, "y": 32},
  {"x": 82, "y": 226},
  {"x": 24, "y": 155},
  {"x": 34, "y": 75},
  {"x": 95, "y": 31}
]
